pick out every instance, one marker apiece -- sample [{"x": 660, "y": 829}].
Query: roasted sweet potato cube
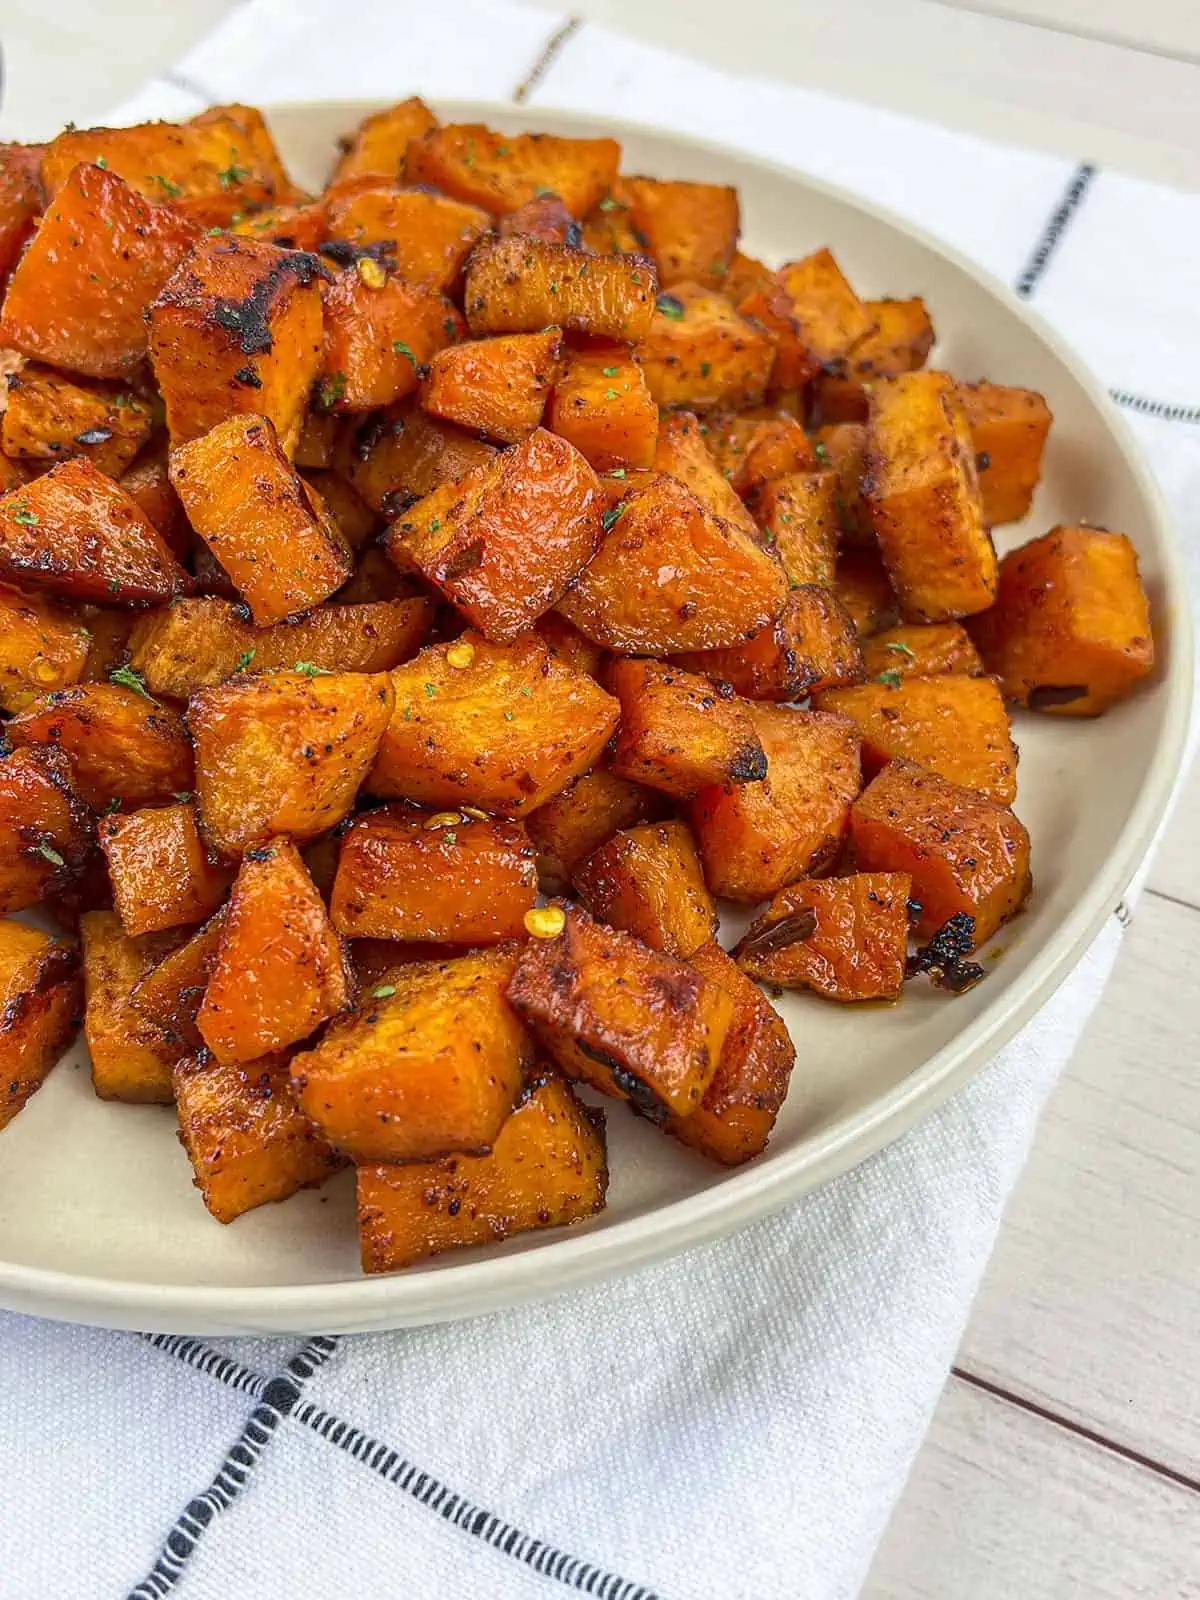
[
  {"x": 769, "y": 307},
  {"x": 396, "y": 864},
  {"x": 832, "y": 318},
  {"x": 632, "y": 1022},
  {"x": 380, "y": 331},
  {"x": 900, "y": 342},
  {"x": 504, "y": 730},
  {"x": 399, "y": 454},
  {"x": 237, "y": 327},
  {"x": 844, "y": 938},
  {"x": 965, "y": 853},
  {"x": 547, "y": 1168},
  {"x": 42, "y": 647},
  {"x": 953, "y": 724},
  {"x": 544, "y": 217},
  {"x": 811, "y": 646},
  {"x": 685, "y": 451},
  {"x": 754, "y": 451},
  {"x": 247, "y": 1139},
  {"x": 132, "y": 1056},
  {"x": 649, "y": 882},
  {"x": 46, "y": 832},
  {"x": 20, "y": 200},
  {"x": 745, "y": 274},
  {"x": 51, "y": 418},
  {"x": 575, "y": 822},
  {"x": 171, "y": 992},
  {"x": 602, "y": 406},
  {"x": 734, "y": 1120},
  {"x": 1070, "y": 630},
  {"x": 921, "y": 650},
  {"x": 500, "y": 171},
  {"x": 921, "y": 494},
  {"x": 672, "y": 576},
  {"x": 760, "y": 836},
  {"x": 701, "y": 353},
  {"x": 40, "y": 996},
  {"x": 291, "y": 227},
  {"x": 355, "y": 519},
  {"x": 430, "y": 1063},
  {"x": 568, "y": 645},
  {"x": 379, "y": 144},
  {"x": 148, "y": 484},
  {"x": 161, "y": 876},
  {"x": 798, "y": 516},
  {"x": 101, "y": 254},
  {"x": 841, "y": 448},
  {"x": 678, "y": 734},
  {"x": 373, "y": 959},
  {"x": 1008, "y": 430},
  {"x": 427, "y": 236},
  {"x": 522, "y": 284},
  {"x": 284, "y": 754},
  {"x": 123, "y": 745},
  {"x": 108, "y": 643},
  {"x": 608, "y": 227},
  {"x": 691, "y": 229},
  {"x": 315, "y": 444},
  {"x": 281, "y": 969},
  {"x": 861, "y": 583},
  {"x": 77, "y": 533},
  {"x": 495, "y": 386},
  {"x": 280, "y": 546}
]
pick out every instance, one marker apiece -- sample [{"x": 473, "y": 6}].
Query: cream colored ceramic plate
[{"x": 99, "y": 1221}]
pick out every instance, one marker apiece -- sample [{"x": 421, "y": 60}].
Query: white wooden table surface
[{"x": 1064, "y": 1458}]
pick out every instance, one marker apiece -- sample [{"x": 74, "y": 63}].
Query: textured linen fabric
[{"x": 737, "y": 1423}]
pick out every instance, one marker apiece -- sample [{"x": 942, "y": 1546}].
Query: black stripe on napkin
[
  {"x": 1163, "y": 410},
  {"x": 195, "y": 1353},
  {"x": 1056, "y": 226}
]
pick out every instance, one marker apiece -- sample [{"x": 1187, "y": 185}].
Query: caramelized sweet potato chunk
[
  {"x": 101, "y": 254},
  {"x": 841, "y": 448},
  {"x": 315, "y": 444},
  {"x": 954, "y": 725},
  {"x": 20, "y": 200},
  {"x": 649, "y": 882},
  {"x": 39, "y": 1008},
  {"x": 283, "y": 754},
  {"x": 501, "y": 171},
  {"x": 900, "y": 342},
  {"x": 568, "y": 645},
  {"x": 50, "y": 418},
  {"x": 1009, "y": 428},
  {"x": 42, "y": 647},
  {"x": 495, "y": 386},
  {"x": 248, "y": 1141},
  {"x": 356, "y": 522},
  {"x": 798, "y": 516},
  {"x": 46, "y": 832},
  {"x": 427, "y": 237},
  {"x": 844, "y": 938},
  {"x": 545, "y": 217},
  {"x": 691, "y": 229},
  {"x": 504, "y": 543},
  {"x": 734, "y": 1120},
  {"x": 281, "y": 969},
  {"x": 769, "y": 449},
  {"x": 161, "y": 876},
  {"x": 760, "y": 836},
  {"x": 132, "y": 1056},
  {"x": 864, "y": 589},
  {"x": 379, "y": 144},
  {"x": 921, "y": 650},
  {"x": 677, "y": 733},
  {"x": 576, "y": 821},
  {"x": 504, "y": 731},
  {"x": 148, "y": 484},
  {"x": 831, "y": 317},
  {"x": 687, "y": 450},
  {"x": 768, "y": 306},
  {"x": 291, "y": 227},
  {"x": 429, "y": 1064},
  {"x": 279, "y": 545},
  {"x": 397, "y": 455},
  {"x": 1070, "y": 630},
  {"x": 380, "y": 331},
  {"x": 965, "y": 853},
  {"x": 811, "y": 646},
  {"x": 395, "y": 865},
  {"x": 701, "y": 353},
  {"x": 602, "y": 406},
  {"x": 630, "y": 1021},
  {"x": 547, "y": 1168},
  {"x": 171, "y": 992},
  {"x": 522, "y": 284}
]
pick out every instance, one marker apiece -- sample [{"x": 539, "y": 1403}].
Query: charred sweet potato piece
[
  {"x": 201, "y": 642},
  {"x": 148, "y": 484},
  {"x": 248, "y": 1141},
  {"x": 279, "y": 545},
  {"x": 132, "y": 1056},
  {"x": 684, "y": 450},
  {"x": 760, "y": 836},
  {"x": 1008, "y": 430},
  {"x": 545, "y": 217},
  {"x": 495, "y": 386},
  {"x": 172, "y": 990},
  {"x": 430, "y": 1063},
  {"x": 379, "y": 144},
  {"x": 630, "y": 1021},
  {"x": 161, "y": 876},
  {"x": 701, "y": 353},
  {"x": 900, "y": 342},
  {"x": 841, "y": 448},
  {"x": 522, "y": 284},
  {"x": 20, "y": 200},
  {"x": 547, "y": 1168},
  {"x": 965, "y": 853},
  {"x": 50, "y": 418},
  {"x": 861, "y": 583},
  {"x": 500, "y": 171},
  {"x": 399, "y": 454},
  {"x": 954, "y": 725},
  {"x": 77, "y": 533},
  {"x": 921, "y": 493},
  {"x": 237, "y": 327},
  {"x": 798, "y": 516},
  {"x": 677, "y": 733},
  {"x": 672, "y": 576},
  {"x": 649, "y": 882},
  {"x": 1070, "y": 630},
  {"x": 734, "y": 1120},
  {"x": 427, "y": 236},
  {"x": 283, "y": 754},
  {"x": 831, "y": 317},
  {"x": 691, "y": 229},
  {"x": 504, "y": 731},
  {"x": 811, "y": 646},
  {"x": 379, "y": 333},
  {"x": 46, "y": 832},
  {"x": 123, "y": 745},
  {"x": 40, "y": 997},
  {"x": 42, "y": 647},
  {"x": 602, "y": 406},
  {"x": 575, "y": 822},
  {"x": 844, "y": 938},
  {"x": 281, "y": 968},
  {"x": 921, "y": 650},
  {"x": 395, "y": 866}
]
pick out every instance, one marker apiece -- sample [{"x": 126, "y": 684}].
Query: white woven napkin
[{"x": 737, "y": 1424}]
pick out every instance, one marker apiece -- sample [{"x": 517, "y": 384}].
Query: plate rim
[{"x": 570, "y": 1258}]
